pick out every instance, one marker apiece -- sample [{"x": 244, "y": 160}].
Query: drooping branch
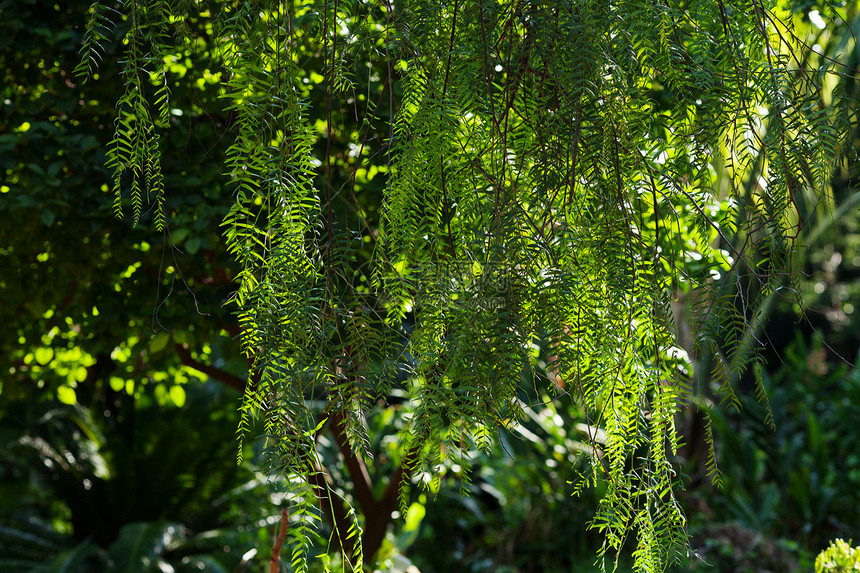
[{"x": 584, "y": 103}]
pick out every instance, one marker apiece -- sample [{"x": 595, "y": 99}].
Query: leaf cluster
[{"x": 550, "y": 186}]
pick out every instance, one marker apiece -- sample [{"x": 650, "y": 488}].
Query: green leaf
[
  {"x": 159, "y": 342},
  {"x": 193, "y": 245},
  {"x": 79, "y": 373},
  {"x": 139, "y": 547},
  {"x": 74, "y": 560},
  {"x": 179, "y": 235},
  {"x": 55, "y": 168},
  {"x": 66, "y": 395},
  {"x": 47, "y": 217},
  {"x": 414, "y": 516},
  {"x": 177, "y": 396},
  {"x": 43, "y": 355}
]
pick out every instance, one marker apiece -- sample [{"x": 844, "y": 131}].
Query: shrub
[{"x": 839, "y": 557}]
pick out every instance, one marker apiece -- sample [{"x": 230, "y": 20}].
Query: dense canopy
[{"x": 451, "y": 202}]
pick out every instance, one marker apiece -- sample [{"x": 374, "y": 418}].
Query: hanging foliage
[{"x": 549, "y": 190}]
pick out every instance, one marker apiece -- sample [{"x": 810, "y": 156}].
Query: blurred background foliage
[{"x": 120, "y": 372}]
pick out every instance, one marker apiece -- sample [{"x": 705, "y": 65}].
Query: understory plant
[{"x": 839, "y": 557}]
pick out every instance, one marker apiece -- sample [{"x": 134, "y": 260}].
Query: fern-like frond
[{"x": 557, "y": 175}]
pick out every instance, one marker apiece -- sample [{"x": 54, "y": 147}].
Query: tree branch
[
  {"x": 360, "y": 477},
  {"x": 214, "y": 373},
  {"x": 377, "y": 512},
  {"x": 275, "y": 563},
  {"x": 376, "y": 523}
]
